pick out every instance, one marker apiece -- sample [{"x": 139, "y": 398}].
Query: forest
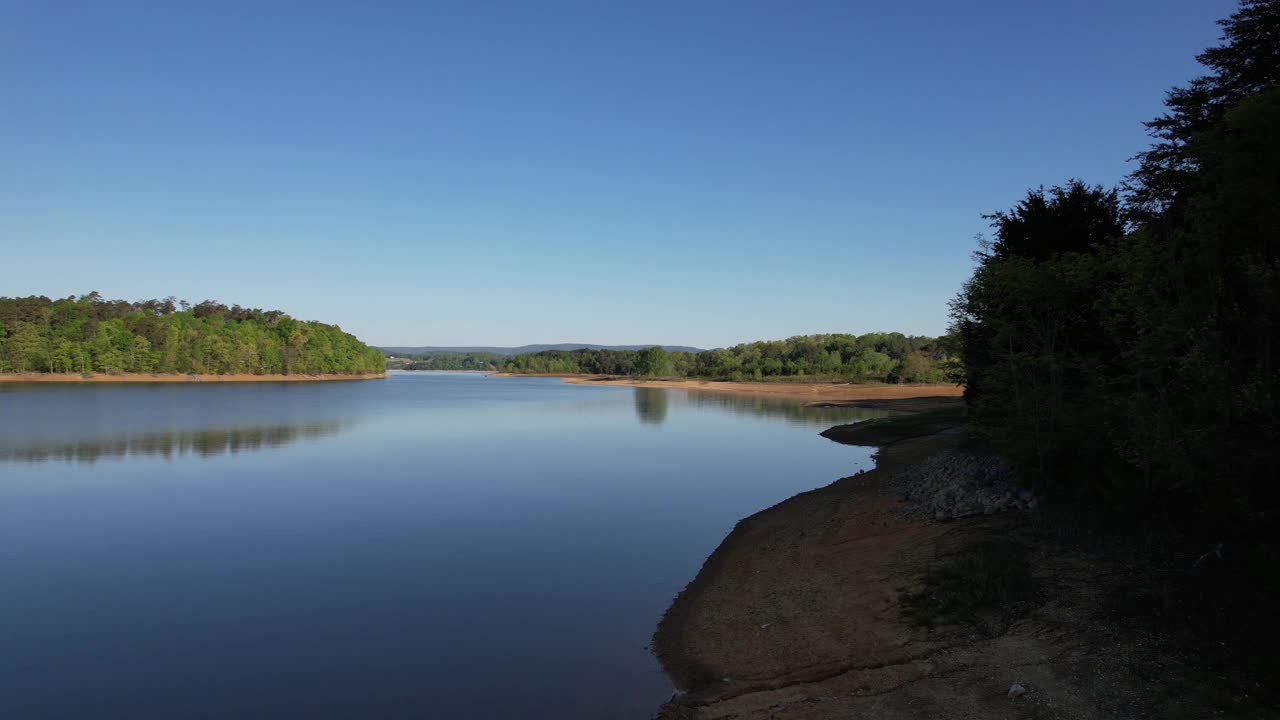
[
  {"x": 873, "y": 357},
  {"x": 1120, "y": 344},
  {"x": 88, "y": 334},
  {"x": 443, "y": 360}
]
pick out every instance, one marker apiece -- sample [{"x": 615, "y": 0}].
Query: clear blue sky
[{"x": 700, "y": 173}]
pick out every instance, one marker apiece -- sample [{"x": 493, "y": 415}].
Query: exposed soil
[
  {"x": 555, "y": 375},
  {"x": 823, "y": 394},
  {"x": 480, "y": 372},
  {"x": 797, "y": 616},
  {"x": 912, "y": 417},
  {"x": 170, "y": 378}
]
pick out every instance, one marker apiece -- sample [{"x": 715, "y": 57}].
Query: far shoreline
[
  {"x": 799, "y": 611},
  {"x": 7, "y": 378},
  {"x": 826, "y": 393},
  {"x": 402, "y": 370}
]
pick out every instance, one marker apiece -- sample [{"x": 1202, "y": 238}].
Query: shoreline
[
  {"x": 15, "y": 378},
  {"x": 796, "y": 615},
  {"x": 826, "y": 394},
  {"x": 736, "y": 630},
  {"x": 402, "y": 370}
]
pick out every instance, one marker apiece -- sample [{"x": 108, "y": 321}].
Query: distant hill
[{"x": 405, "y": 350}]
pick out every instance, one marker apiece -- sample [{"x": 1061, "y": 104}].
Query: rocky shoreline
[
  {"x": 799, "y": 613},
  {"x": 961, "y": 483}
]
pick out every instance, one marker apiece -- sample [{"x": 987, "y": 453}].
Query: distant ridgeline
[
  {"x": 90, "y": 334},
  {"x": 874, "y": 357}
]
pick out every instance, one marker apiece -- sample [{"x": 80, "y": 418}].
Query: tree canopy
[
  {"x": 445, "y": 360},
  {"x": 1245, "y": 64},
  {"x": 89, "y": 334},
  {"x": 1124, "y": 355},
  {"x": 873, "y": 357}
]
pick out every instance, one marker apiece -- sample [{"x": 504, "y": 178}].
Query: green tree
[
  {"x": 25, "y": 348},
  {"x": 64, "y": 356},
  {"x": 1246, "y": 64},
  {"x": 654, "y": 362},
  {"x": 91, "y": 333}
]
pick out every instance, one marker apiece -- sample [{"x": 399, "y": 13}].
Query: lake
[{"x": 430, "y": 545}]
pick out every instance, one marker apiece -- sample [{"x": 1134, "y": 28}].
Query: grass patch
[{"x": 987, "y": 574}]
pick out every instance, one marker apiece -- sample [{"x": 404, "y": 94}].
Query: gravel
[{"x": 960, "y": 483}]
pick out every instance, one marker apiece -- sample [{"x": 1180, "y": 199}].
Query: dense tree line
[
  {"x": 873, "y": 357},
  {"x": 1121, "y": 345},
  {"x": 89, "y": 334},
  {"x": 446, "y": 361}
]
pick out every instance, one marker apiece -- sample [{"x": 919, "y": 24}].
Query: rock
[
  {"x": 958, "y": 483},
  {"x": 1016, "y": 691}
]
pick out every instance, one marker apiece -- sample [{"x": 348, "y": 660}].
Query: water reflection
[
  {"x": 651, "y": 405},
  {"x": 204, "y": 443},
  {"x": 363, "y": 561}
]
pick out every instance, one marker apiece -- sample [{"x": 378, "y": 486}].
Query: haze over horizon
[{"x": 474, "y": 176}]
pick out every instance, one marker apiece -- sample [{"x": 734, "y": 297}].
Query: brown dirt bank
[
  {"x": 911, "y": 418},
  {"x": 555, "y": 375},
  {"x": 171, "y": 378},
  {"x": 463, "y": 372},
  {"x": 820, "y": 393},
  {"x": 796, "y": 616}
]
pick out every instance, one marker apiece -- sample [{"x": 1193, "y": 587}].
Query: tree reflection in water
[
  {"x": 204, "y": 443},
  {"x": 653, "y": 405}
]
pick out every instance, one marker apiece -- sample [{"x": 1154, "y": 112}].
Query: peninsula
[{"x": 89, "y": 338}]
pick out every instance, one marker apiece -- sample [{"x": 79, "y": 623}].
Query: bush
[{"x": 987, "y": 574}]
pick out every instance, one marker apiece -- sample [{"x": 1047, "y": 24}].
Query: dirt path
[
  {"x": 171, "y": 378},
  {"x": 796, "y": 616}
]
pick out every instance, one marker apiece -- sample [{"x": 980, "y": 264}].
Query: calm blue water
[{"x": 432, "y": 545}]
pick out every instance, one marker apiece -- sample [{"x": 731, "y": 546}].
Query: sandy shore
[
  {"x": 828, "y": 393},
  {"x": 171, "y": 378},
  {"x": 795, "y": 616},
  {"x": 410, "y": 372}
]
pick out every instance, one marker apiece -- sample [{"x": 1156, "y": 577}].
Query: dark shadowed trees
[
  {"x": 1246, "y": 63},
  {"x": 1135, "y": 373},
  {"x": 1069, "y": 218},
  {"x": 1095, "y": 356}
]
